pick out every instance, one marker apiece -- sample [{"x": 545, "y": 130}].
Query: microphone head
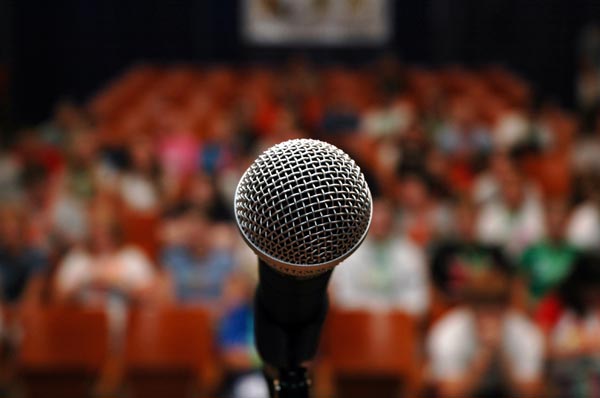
[{"x": 303, "y": 206}]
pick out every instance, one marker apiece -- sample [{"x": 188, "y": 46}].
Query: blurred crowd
[{"x": 486, "y": 210}]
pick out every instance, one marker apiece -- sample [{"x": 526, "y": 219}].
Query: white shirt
[
  {"x": 453, "y": 344},
  {"x": 77, "y": 268},
  {"x": 138, "y": 192},
  {"x": 571, "y": 332},
  {"x": 512, "y": 230},
  {"x": 383, "y": 276},
  {"x": 583, "y": 229}
]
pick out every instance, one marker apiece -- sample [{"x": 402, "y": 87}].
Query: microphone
[{"x": 303, "y": 207}]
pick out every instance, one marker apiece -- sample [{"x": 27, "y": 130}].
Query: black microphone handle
[{"x": 288, "y": 316}]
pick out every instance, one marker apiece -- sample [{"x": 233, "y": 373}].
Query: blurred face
[
  {"x": 202, "y": 192},
  {"x": 383, "y": 220},
  {"x": 83, "y": 148},
  {"x": 500, "y": 165},
  {"x": 39, "y": 192},
  {"x": 513, "y": 191},
  {"x": 199, "y": 232},
  {"x": 102, "y": 238},
  {"x": 221, "y": 130},
  {"x": 556, "y": 220},
  {"x": 413, "y": 192},
  {"x": 488, "y": 322},
  {"x": 142, "y": 154},
  {"x": 462, "y": 112},
  {"x": 465, "y": 218}
]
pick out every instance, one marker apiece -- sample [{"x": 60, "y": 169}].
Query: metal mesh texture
[{"x": 303, "y": 206}]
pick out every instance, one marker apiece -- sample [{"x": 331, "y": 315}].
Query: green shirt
[{"x": 545, "y": 265}]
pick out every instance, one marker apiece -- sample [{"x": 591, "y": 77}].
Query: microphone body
[
  {"x": 289, "y": 314},
  {"x": 303, "y": 207}
]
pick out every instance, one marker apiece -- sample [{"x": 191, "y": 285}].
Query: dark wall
[{"x": 71, "y": 48}]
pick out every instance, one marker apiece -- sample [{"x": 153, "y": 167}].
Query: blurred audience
[{"x": 127, "y": 201}]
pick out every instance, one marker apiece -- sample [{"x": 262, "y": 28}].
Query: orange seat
[
  {"x": 140, "y": 229},
  {"x": 62, "y": 351},
  {"x": 168, "y": 352},
  {"x": 370, "y": 353}
]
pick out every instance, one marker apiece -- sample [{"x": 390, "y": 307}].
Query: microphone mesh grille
[{"x": 303, "y": 206}]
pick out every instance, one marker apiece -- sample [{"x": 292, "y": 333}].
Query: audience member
[
  {"x": 574, "y": 341},
  {"x": 139, "y": 184},
  {"x": 236, "y": 340},
  {"x": 461, "y": 136},
  {"x": 197, "y": 254},
  {"x": 483, "y": 349},
  {"x": 105, "y": 270},
  {"x": 513, "y": 220},
  {"x": 456, "y": 259},
  {"x": 423, "y": 216},
  {"x": 546, "y": 263},
  {"x": 387, "y": 272},
  {"x": 583, "y": 230},
  {"x": 22, "y": 262},
  {"x": 11, "y": 188}
]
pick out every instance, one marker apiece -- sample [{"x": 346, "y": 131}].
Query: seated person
[
  {"x": 514, "y": 219},
  {"x": 105, "y": 270},
  {"x": 484, "y": 349},
  {"x": 385, "y": 273},
  {"x": 21, "y": 262},
  {"x": 574, "y": 339},
  {"x": 546, "y": 263},
  {"x": 455, "y": 259},
  {"x": 196, "y": 254},
  {"x": 243, "y": 378}
]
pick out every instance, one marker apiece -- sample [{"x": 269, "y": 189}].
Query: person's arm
[
  {"x": 72, "y": 276},
  {"x": 523, "y": 363},
  {"x": 449, "y": 344},
  {"x": 414, "y": 296},
  {"x": 137, "y": 276},
  {"x": 520, "y": 385},
  {"x": 464, "y": 384}
]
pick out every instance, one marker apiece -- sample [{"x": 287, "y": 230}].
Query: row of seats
[
  {"x": 65, "y": 351},
  {"x": 170, "y": 352}
]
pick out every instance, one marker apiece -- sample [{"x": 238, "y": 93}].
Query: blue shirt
[
  {"x": 236, "y": 328},
  {"x": 197, "y": 278}
]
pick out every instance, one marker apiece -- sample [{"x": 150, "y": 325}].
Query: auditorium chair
[
  {"x": 139, "y": 230},
  {"x": 62, "y": 352},
  {"x": 368, "y": 354},
  {"x": 169, "y": 353}
]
